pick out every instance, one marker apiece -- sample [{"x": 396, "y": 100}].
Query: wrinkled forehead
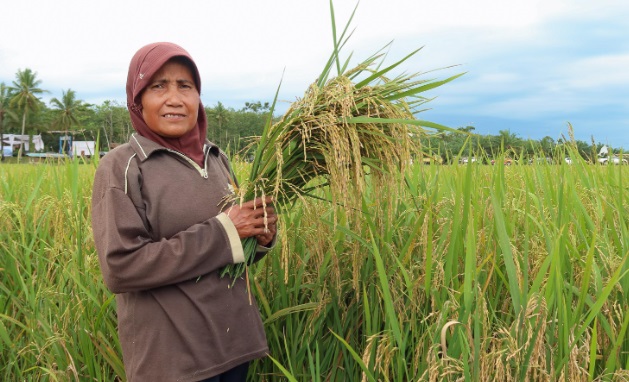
[{"x": 180, "y": 61}]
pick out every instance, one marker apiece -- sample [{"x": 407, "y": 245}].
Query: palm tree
[
  {"x": 4, "y": 112},
  {"x": 509, "y": 140},
  {"x": 25, "y": 90},
  {"x": 67, "y": 111}
]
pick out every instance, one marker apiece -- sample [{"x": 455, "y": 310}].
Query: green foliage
[
  {"x": 5, "y": 113},
  {"x": 530, "y": 261},
  {"x": 236, "y": 130},
  {"x": 465, "y": 142},
  {"x": 25, "y": 91},
  {"x": 68, "y": 110},
  {"x": 22, "y": 111},
  {"x": 24, "y": 96},
  {"x": 477, "y": 272},
  {"x": 56, "y": 322},
  {"x": 111, "y": 122},
  {"x": 359, "y": 121}
]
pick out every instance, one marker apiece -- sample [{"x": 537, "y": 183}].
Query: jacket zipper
[{"x": 202, "y": 171}]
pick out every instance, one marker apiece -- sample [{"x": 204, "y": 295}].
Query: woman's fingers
[
  {"x": 267, "y": 237},
  {"x": 258, "y": 202},
  {"x": 253, "y": 218}
]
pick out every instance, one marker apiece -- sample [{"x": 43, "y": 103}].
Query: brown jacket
[{"x": 161, "y": 237}]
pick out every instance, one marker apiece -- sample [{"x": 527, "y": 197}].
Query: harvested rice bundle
[{"x": 342, "y": 126}]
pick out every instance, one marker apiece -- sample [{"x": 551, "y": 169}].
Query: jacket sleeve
[
  {"x": 262, "y": 250},
  {"x": 130, "y": 260}
]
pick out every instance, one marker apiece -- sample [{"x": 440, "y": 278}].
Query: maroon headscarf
[{"x": 144, "y": 64}]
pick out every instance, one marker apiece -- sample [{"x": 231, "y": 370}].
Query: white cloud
[
  {"x": 598, "y": 72},
  {"x": 524, "y": 58}
]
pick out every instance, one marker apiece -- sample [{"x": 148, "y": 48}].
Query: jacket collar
[{"x": 144, "y": 147}]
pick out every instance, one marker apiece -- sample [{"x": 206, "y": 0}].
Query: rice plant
[
  {"x": 471, "y": 272},
  {"x": 413, "y": 273},
  {"x": 57, "y": 322},
  {"x": 356, "y": 121}
]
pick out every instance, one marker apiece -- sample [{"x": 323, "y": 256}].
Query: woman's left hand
[
  {"x": 255, "y": 218},
  {"x": 266, "y": 238}
]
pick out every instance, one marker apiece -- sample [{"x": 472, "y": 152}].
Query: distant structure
[
  {"x": 12, "y": 142},
  {"x": 83, "y": 148},
  {"x": 605, "y": 158}
]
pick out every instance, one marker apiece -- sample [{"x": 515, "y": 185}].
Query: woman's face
[{"x": 170, "y": 102}]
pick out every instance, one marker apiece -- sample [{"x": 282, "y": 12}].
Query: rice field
[{"x": 464, "y": 272}]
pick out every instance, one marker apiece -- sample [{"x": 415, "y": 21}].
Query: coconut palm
[
  {"x": 67, "y": 111},
  {"x": 509, "y": 140},
  {"x": 25, "y": 90},
  {"x": 5, "y": 111}
]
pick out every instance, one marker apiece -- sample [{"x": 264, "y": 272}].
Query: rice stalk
[{"x": 360, "y": 123}]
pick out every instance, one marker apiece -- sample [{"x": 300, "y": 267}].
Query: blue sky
[{"x": 531, "y": 66}]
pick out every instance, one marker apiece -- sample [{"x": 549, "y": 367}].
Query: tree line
[
  {"x": 462, "y": 142},
  {"x": 22, "y": 111}
]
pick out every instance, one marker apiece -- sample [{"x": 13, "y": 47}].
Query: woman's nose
[{"x": 172, "y": 96}]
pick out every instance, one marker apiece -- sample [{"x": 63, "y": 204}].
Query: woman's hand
[{"x": 250, "y": 217}]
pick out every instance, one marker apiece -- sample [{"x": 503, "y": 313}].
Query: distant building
[
  {"x": 12, "y": 142},
  {"x": 83, "y": 148}
]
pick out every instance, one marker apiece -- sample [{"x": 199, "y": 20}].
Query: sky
[{"x": 532, "y": 67}]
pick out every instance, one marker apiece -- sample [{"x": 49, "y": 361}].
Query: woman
[{"x": 163, "y": 231}]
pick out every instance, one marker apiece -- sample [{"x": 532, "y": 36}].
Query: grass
[
  {"x": 530, "y": 261},
  {"x": 55, "y": 317},
  {"x": 455, "y": 272},
  {"x": 432, "y": 273}
]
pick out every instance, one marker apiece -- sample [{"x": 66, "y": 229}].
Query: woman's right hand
[{"x": 249, "y": 217}]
